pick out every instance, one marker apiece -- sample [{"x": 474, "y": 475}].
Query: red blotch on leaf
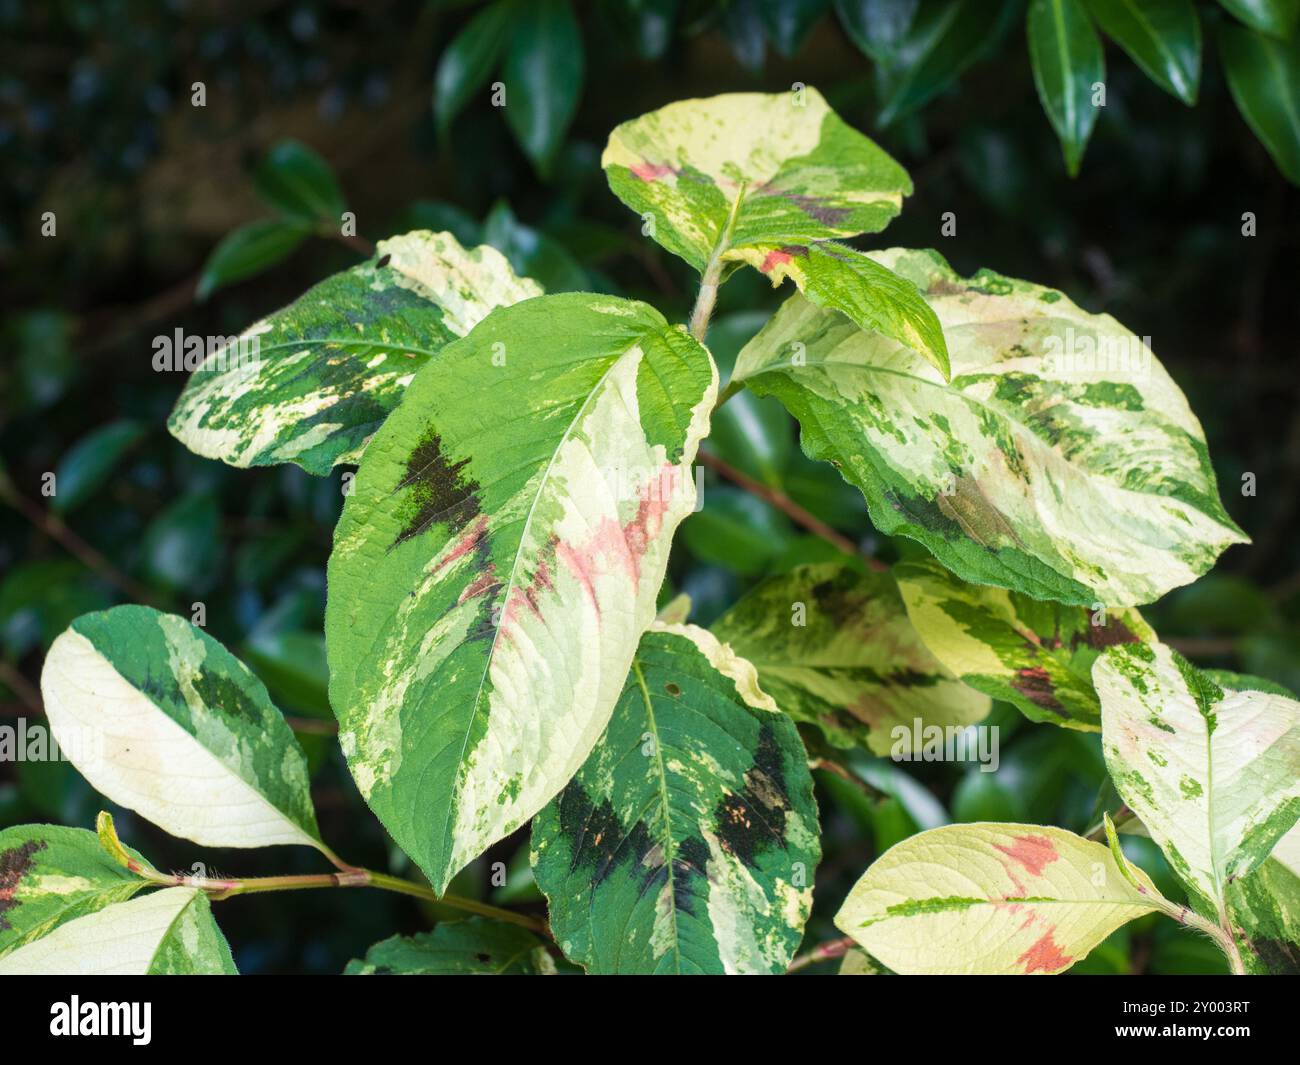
[
  {"x": 648, "y": 171},
  {"x": 1035, "y": 853},
  {"x": 1044, "y": 956}
]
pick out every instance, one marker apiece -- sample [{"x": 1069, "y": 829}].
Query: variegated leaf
[
  {"x": 161, "y": 719},
  {"x": 844, "y": 279},
  {"x": 1036, "y": 655},
  {"x": 834, "y": 648},
  {"x": 1060, "y": 461},
  {"x": 474, "y": 947},
  {"x": 165, "y": 933},
  {"x": 1264, "y": 908},
  {"x": 766, "y": 180},
  {"x": 311, "y": 383},
  {"x": 1213, "y": 772},
  {"x": 991, "y": 898},
  {"x": 499, "y": 559},
  {"x": 51, "y": 875},
  {"x": 687, "y": 841}
]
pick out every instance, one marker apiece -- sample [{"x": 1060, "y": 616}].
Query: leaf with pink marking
[
  {"x": 992, "y": 898},
  {"x": 499, "y": 559}
]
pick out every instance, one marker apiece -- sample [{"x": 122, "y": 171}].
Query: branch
[
  {"x": 831, "y": 949},
  {"x": 788, "y": 506}
]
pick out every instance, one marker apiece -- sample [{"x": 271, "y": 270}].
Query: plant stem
[
  {"x": 224, "y": 888},
  {"x": 53, "y": 527},
  {"x": 833, "y": 948},
  {"x": 788, "y": 506},
  {"x": 712, "y": 275},
  {"x": 829, "y": 765}
]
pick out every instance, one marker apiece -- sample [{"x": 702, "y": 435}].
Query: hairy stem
[
  {"x": 786, "y": 505},
  {"x": 224, "y": 887},
  {"x": 712, "y": 276},
  {"x": 833, "y": 948}
]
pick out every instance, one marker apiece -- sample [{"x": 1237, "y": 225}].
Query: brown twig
[
  {"x": 829, "y": 765},
  {"x": 54, "y": 527},
  {"x": 828, "y": 951},
  {"x": 787, "y": 506}
]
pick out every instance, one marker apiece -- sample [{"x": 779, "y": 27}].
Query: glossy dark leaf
[
  {"x": 1068, "y": 64},
  {"x": 543, "y": 78},
  {"x": 249, "y": 250},
  {"x": 1264, "y": 77},
  {"x": 789, "y": 22},
  {"x": 877, "y": 27},
  {"x": 298, "y": 183},
  {"x": 1277, "y": 18},
  {"x": 1163, "y": 37},
  {"x": 468, "y": 61},
  {"x": 84, "y": 468}
]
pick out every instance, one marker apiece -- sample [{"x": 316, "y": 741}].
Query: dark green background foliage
[{"x": 97, "y": 126}]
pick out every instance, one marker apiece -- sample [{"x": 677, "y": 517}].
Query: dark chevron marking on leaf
[
  {"x": 15, "y": 862},
  {"x": 685, "y": 842},
  {"x": 435, "y": 491}
]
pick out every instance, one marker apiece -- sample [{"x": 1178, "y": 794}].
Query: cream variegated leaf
[
  {"x": 500, "y": 558},
  {"x": 50, "y": 875},
  {"x": 1213, "y": 772},
  {"x": 1060, "y": 460},
  {"x": 687, "y": 842},
  {"x": 312, "y": 382},
  {"x": 160, "y": 718},
  {"x": 1036, "y": 655},
  {"x": 1264, "y": 910},
  {"x": 992, "y": 898},
  {"x": 773, "y": 181},
  {"x": 834, "y": 648},
  {"x": 165, "y": 933}
]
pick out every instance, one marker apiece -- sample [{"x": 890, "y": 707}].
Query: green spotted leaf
[
  {"x": 1264, "y": 908},
  {"x": 687, "y": 842},
  {"x": 1036, "y": 655},
  {"x": 499, "y": 559},
  {"x": 1213, "y": 772},
  {"x": 475, "y": 947},
  {"x": 1067, "y": 60},
  {"x": 992, "y": 898},
  {"x": 165, "y": 933},
  {"x": 843, "y": 279},
  {"x": 311, "y": 383},
  {"x": 765, "y": 180},
  {"x": 161, "y": 719},
  {"x": 51, "y": 875},
  {"x": 721, "y": 174},
  {"x": 1060, "y": 461},
  {"x": 834, "y": 648}
]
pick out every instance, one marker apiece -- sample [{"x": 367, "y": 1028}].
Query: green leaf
[
  {"x": 299, "y": 184},
  {"x": 991, "y": 898},
  {"x": 1036, "y": 655},
  {"x": 724, "y": 174},
  {"x": 166, "y": 933},
  {"x": 648, "y": 24},
  {"x": 1060, "y": 461},
  {"x": 499, "y": 559},
  {"x": 51, "y": 875},
  {"x": 312, "y": 383},
  {"x": 1214, "y": 773},
  {"x": 183, "y": 545},
  {"x": 877, "y": 27},
  {"x": 87, "y": 464},
  {"x": 1067, "y": 61},
  {"x": 475, "y": 947},
  {"x": 543, "y": 78},
  {"x": 687, "y": 842},
  {"x": 1277, "y": 18},
  {"x": 738, "y": 530},
  {"x": 789, "y": 22},
  {"x": 161, "y": 719},
  {"x": 249, "y": 250},
  {"x": 533, "y": 253},
  {"x": 1264, "y": 78},
  {"x": 944, "y": 39},
  {"x": 843, "y": 279},
  {"x": 468, "y": 61},
  {"x": 1264, "y": 907},
  {"x": 1163, "y": 37},
  {"x": 834, "y": 648}
]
